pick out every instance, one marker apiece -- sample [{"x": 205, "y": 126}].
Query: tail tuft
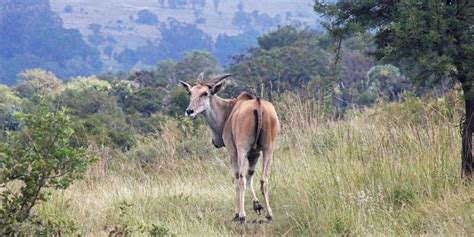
[{"x": 258, "y": 122}]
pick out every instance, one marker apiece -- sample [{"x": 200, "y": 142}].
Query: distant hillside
[
  {"x": 218, "y": 20},
  {"x": 119, "y": 28},
  {"x": 33, "y": 36},
  {"x": 70, "y": 37}
]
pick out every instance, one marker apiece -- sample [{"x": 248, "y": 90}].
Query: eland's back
[{"x": 252, "y": 122}]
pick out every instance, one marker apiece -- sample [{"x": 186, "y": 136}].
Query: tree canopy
[{"x": 433, "y": 40}]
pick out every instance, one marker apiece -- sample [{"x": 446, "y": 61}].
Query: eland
[{"x": 247, "y": 127}]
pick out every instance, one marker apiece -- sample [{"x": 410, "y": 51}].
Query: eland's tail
[{"x": 258, "y": 123}]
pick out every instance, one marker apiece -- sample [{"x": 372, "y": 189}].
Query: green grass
[{"x": 392, "y": 170}]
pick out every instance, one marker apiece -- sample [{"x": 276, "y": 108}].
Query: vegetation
[
  {"x": 254, "y": 20},
  {"x": 391, "y": 169},
  {"x": 146, "y": 17},
  {"x": 364, "y": 149},
  {"x": 191, "y": 38},
  {"x": 39, "y": 40},
  {"x": 34, "y": 161},
  {"x": 227, "y": 47},
  {"x": 113, "y": 45},
  {"x": 431, "y": 39}
]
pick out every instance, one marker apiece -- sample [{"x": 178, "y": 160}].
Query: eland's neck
[{"x": 216, "y": 116}]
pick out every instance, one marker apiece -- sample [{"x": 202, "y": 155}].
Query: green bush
[
  {"x": 37, "y": 157},
  {"x": 104, "y": 129}
]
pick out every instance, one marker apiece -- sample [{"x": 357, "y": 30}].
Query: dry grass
[{"x": 392, "y": 170}]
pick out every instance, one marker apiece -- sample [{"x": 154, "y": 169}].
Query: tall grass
[{"x": 392, "y": 169}]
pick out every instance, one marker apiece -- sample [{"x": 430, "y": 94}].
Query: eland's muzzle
[{"x": 189, "y": 112}]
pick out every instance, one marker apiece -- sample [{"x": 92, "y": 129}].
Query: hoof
[
  {"x": 257, "y": 207},
  {"x": 237, "y": 218},
  {"x": 269, "y": 218}
]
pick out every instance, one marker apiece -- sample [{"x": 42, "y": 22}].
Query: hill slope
[
  {"x": 119, "y": 28},
  {"x": 33, "y": 36}
]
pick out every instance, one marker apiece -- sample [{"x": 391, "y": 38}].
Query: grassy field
[{"x": 393, "y": 169}]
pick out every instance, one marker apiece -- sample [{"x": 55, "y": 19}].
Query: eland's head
[{"x": 201, "y": 93}]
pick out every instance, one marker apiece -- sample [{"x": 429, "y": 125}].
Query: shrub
[
  {"x": 9, "y": 103},
  {"x": 38, "y": 82},
  {"x": 37, "y": 157},
  {"x": 146, "y": 101}
]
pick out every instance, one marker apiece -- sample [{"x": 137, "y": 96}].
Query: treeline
[
  {"x": 111, "y": 109},
  {"x": 190, "y": 38},
  {"x": 33, "y": 36}
]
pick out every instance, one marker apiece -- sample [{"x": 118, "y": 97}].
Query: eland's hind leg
[
  {"x": 267, "y": 162},
  {"x": 253, "y": 160},
  {"x": 235, "y": 169},
  {"x": 241, "y": 183}
]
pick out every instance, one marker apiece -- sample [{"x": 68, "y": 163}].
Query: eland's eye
[{"x": 204, "y": 94}]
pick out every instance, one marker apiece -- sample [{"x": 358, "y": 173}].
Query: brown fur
[{"x": 247, "y": 127}]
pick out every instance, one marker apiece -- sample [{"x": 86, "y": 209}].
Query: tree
[
  {"x": 38, "y": 82},
  {"x": 37, "y": 157},
  {"x": 85, "y": 83},
  {"x": 68, "y": 9},
  {"x": 162, "y": 3},
  {"x": 96, "y": 37},
  {"x": 254, "y": 20},
  {"x": 286, "y": 60},
  {"x": 108, "y": 51},
  {"x": 242, "y": 20},
  {"x": 432, "y": 40},
  {"x": 144, "y": 78},
  {"x": 166, "y": 71},
  {"x": 146, "y": 101},
  {"x": 284, "y": 36},
  {"x": 128, "y": 58},
  {"x": 9, "y": 104},
  {"x": 177, "y": 3},
  {"x": 87, "y": 96},
  {"x": 388, "y": 78},
  {"x": 195, "y": 62},
  {"x": 189, "y": 37},
  {"x": 228, "y": 46},
  {"x": 146, "y": 17},
  {"x": 200, "y": 3},
  {"x": 178, "y": 102},
  {"x": 150, "y": 53}
]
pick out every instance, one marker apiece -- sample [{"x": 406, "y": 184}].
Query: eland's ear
[
  {"x": 216, "y": 84},
  {"x": 186, "y": 86},
  {"x": 216, "y": 87}
]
